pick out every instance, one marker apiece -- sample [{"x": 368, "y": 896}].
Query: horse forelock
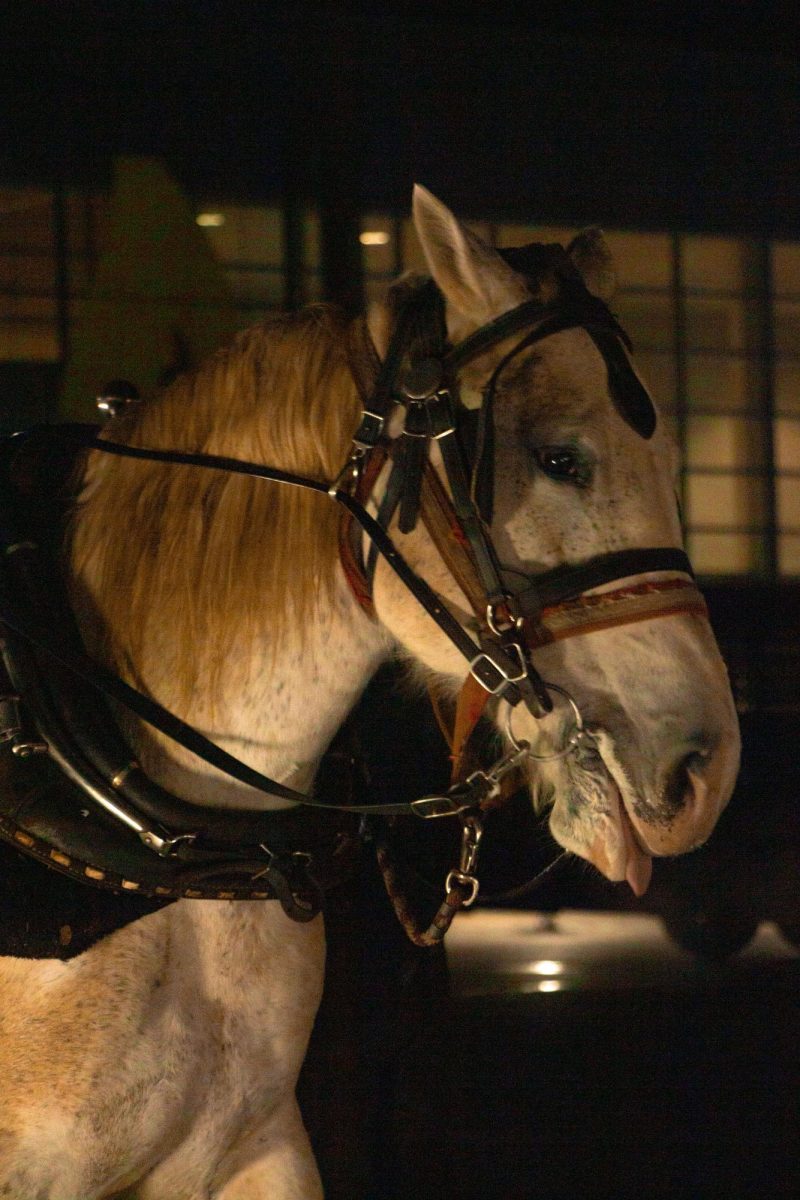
[{"x": 205, "y": 561}]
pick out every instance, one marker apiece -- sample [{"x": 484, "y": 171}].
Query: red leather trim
[{"x": 350, "y": 533}]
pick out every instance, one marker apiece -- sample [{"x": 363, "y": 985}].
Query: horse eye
[{"x": 563, "y": 463}]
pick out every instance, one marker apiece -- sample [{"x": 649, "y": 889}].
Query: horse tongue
[
  {"x": 639, "y": 866},
  {"x": 639, "y": 872}
]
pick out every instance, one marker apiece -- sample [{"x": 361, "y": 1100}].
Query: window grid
[{"x": 721, "y": 349}]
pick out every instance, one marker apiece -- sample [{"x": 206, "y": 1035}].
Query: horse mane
[{"x": 202, "y": 560}]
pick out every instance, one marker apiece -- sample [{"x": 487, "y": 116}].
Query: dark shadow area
[
  {"x": 28, "y": 394},
  {"x": 634, "y": 1094}
]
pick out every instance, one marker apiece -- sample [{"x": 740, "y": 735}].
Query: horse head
[{"x": 578, "y": 474}]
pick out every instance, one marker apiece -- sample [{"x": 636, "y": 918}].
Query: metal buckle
[
  {"x": 13, "y": 732},
  {"x": 502, "y": 625},
  {"x": 10, "y": 718},
  {"x": 441, "y": 420},
  {"x": 454, "y": 877},
  {"x": 270, "y": 856},
  {"x": 430, "y": 808},
  {"x": 164, "y": 846},
  {"x": 572, "y": 742},
  {"x": 369, "y": 431},
  {"x": 27, "y": 747},
  {"x": 496, "y": 679},
  {"x": 296, "y": 858},
  {"x": 488, "y": 780},
  {"x": 116, "y": 396}
]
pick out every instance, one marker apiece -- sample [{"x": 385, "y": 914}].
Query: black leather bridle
[{"x": 420, "y": 371}]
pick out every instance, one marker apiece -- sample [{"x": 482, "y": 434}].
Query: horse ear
[
  {"x": 591, "y": 255},
  {"x": 470, "y": 274}
]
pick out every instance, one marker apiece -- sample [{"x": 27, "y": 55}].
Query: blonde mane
[{"x": 205, "y": 560}]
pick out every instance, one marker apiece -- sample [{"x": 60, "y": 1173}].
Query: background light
[
  {"x": 211, "y": 220},
  {"x": 546, "y": 966},
  {"x": 374, "y": 237}
]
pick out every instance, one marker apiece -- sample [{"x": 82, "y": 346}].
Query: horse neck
[
  {"x": 292, "y": 709},
  {"x": 276, "y": 709}
]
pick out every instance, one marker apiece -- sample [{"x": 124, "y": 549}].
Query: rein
[{"x": 420, "y": 373}]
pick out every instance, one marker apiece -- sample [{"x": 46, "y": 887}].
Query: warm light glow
[
  {"x": 374, "y": 237},
  {"x": 546, "y": 966},
  {"x": 211, "y": 220},
  {"x": 549, "y": 985}
]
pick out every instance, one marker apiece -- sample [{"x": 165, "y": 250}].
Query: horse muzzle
[
  {"x": 690, "y": 799},
  {"x": 618, "y": 810}
]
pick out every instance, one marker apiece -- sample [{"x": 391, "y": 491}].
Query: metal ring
[
  {"x": 464, "y": 880},
  {"x": 573, "y": 739},
  {"x": 491, "y": 619}
]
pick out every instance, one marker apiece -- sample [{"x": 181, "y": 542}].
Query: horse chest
[
  {"x": 253, "y": 976},
  {"x": 165, "y": 1066}
]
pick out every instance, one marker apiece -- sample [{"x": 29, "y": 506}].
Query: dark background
[{"x": 662, "y": 115}]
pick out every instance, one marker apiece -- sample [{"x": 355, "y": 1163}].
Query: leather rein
[{"x": 419, "y": 372}]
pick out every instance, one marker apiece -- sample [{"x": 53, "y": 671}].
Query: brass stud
[{"x": 123, "y": 773}]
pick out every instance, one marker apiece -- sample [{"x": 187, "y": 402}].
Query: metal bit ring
[{"x": 571, "y": 742}]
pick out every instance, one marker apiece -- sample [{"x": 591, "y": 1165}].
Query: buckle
[
  {"x": 431, "y": 807},
  {"x": 461, "y": 879},
  {"x": 494, "y": 673},
  {"x": 166, "y": 846},
  {"x": 369, "y": 431}
]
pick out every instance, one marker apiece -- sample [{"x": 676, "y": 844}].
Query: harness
[{"x": 132, "y": 835}]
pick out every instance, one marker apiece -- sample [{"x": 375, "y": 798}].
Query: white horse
[{"x": 161, "y": 1064}]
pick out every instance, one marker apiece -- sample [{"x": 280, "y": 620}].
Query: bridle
[{"x": 420, "y": 371}]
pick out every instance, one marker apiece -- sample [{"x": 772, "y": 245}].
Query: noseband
[{"x": 420, "y": 372}]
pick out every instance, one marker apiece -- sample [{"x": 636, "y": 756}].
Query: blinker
[{"x": 627, "y": 392}]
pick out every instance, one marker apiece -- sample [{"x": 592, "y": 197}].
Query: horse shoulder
[{"x": 158, "y": 1049}]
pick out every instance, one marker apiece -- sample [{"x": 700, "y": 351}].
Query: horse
[{"x": 161, "y": 1063}]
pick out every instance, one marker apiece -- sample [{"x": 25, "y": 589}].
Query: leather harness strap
[
  {"x": 605, "y": 610},
  {"x": 440, "y": 520}
]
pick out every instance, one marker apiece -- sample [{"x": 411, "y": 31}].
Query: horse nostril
[{"x": 681, "y": 785}]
